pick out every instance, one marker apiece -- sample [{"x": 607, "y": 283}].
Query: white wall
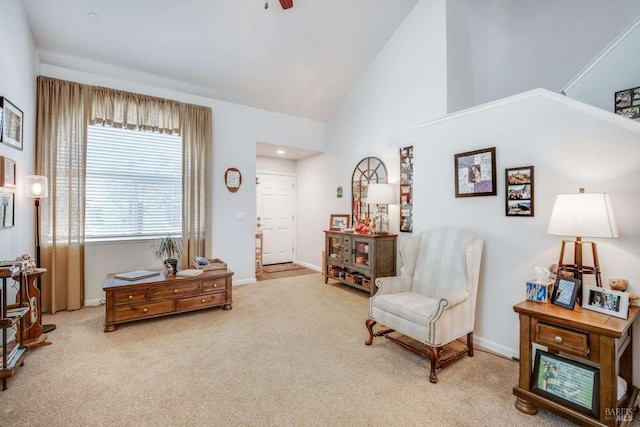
[
  {"x": 571, "y": 145},
  {"x": 405, "y": 83},
  {"x": 236, "y": 129},
  {"x": 498, "y": 48},
  {"x": 18, "y": 71},
  {"x": 275, "y": 166}
]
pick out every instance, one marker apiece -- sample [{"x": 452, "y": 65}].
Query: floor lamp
[
  {"x": 582, "y": 215},
  {"x": 36, "y": 188}
]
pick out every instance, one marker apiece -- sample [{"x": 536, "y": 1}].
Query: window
[{"x": 134, "y": 184}]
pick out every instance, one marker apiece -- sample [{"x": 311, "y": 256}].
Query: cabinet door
[
  {"x": 362, "y": 248},
  {"x": 334, "y": 249}
]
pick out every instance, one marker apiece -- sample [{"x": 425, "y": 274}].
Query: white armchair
[{"x": 433, "y": 301}]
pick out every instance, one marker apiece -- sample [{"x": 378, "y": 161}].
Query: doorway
[{"x": 274, "y": 207}]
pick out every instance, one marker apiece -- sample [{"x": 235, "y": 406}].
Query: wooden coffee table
[{"x": 128, "y": 301}]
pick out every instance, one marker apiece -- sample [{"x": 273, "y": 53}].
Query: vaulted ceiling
[{"x": 299, "y": 61}]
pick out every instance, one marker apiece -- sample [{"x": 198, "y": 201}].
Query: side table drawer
[
  {"x": 201, "y": 301},
  {"x": 176, "y": 290},
  {"x": 214, "y": 285},
  {"x": 138, "y": 311},
  {"x": 558, "y": 338},
  {"x": 127, "y": 297}
]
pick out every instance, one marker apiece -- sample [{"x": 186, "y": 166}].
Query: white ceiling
[{"x": 301, "y": 61}]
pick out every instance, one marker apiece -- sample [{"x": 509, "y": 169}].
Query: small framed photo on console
[
  {"x": 565, "y": 292},
  {"x": 607, "y": 301}
]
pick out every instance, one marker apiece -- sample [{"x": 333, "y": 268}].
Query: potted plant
[{"x": 168, "y": 249}]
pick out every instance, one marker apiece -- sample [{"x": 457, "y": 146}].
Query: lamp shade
[
  {"x": 381, "y": 194},
  {"x": 583, "y": 215},
  {"x": 35, "y": 186}
]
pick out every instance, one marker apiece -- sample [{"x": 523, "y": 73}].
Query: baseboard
[
  {"x": 309, "y": 266},
  {"x": 244, "y": 282},
  {"x": 93, "y": 302},
  {"x": 496, "y": 348}
]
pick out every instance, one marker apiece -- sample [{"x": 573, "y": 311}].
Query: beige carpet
[{"x": 290, "y": 353}]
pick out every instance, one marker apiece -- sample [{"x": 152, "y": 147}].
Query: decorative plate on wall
[{"x": 233, "y": 179}]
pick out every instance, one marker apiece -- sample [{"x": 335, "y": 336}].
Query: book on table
[
  {"x": 136, "y": 275},
  {"x": 188, "y": 273}
]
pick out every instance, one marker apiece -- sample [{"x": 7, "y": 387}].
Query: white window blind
[{"x": 134, "y": 184}]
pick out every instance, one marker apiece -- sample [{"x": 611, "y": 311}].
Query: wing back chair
[{"x": 433, "y": 301}]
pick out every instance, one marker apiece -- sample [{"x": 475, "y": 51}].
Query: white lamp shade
[
  {"x": 583, "y": 215},
  {"x": 35, "y": 186},
  {"x": 381, "y": 194}
]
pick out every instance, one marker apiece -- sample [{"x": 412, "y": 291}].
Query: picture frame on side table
[
  {"x": 566, "y": 381},
  {"x": 565, "y": 292},
  {"x": 7, "y": 205},
  {"x": 12, "y": 126},
  {"x": 475, "y": 173},
  {"x": 519, "y": 191},
  {"x": 607, "y": 301},
  {"x": 339, "y": 222},
  {"x": 7, "y": 172}
]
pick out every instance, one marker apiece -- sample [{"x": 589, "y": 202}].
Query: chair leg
[
  {"x": 470, "y": 344},
  {"x": 435, "y": 358},
  {"x": 369, "y": 323}
]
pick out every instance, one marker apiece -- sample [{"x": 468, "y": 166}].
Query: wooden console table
[
  {"x": 596, "y": 337},
  {"x": 128, "y": 301}
]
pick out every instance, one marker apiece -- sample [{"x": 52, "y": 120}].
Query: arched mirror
[{"x": 370, "y": 170}]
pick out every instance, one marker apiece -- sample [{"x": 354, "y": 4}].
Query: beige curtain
[
  {"x": 196, "y": 138},
  {"x": 62, "y": 114},
  {"x": 64, "y": 111}
]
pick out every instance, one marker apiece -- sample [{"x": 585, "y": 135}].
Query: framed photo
[
  {"x": 7, "y": 172},
  {"x": 7, "y": 203},
  {"x": 623, "y": 98},
  {"x": 475, "y": 173},
  {"x": 607, "y": 301},
  {"x": 11, "y": 124},
  {"x": 567, "y": 382},
  {"x": 339, "y": 222},
  {"x": 565, "y": 292},
  {"x": 519, "y": 191}
]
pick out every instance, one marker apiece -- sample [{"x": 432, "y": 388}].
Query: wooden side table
[
  {"x": 33, "y": 335},
  {"x": 595, "y": 337}
]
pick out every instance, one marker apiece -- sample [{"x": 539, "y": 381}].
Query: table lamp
[
  {"x": 582, "y": 215},
  {"x": 36, "y": 188},
  {"x": 381, "y": 194}
]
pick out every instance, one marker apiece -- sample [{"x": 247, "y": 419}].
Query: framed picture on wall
[
  {"x": 475, "y": 173},
  {"x": 519, "y": 191},
  {"x": 7, "y": 203},
  {"x": 7, "y": 172},
  {"x": 11, "y": 124}
]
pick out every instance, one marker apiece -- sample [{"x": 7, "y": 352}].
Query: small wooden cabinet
[
  {"x": 597, "y": 338},
  {"x": 128, "y": 301},
  {"x": 358, "y": 259}
]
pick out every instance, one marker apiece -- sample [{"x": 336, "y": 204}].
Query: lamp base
[
  {"x": 576, "y": 268},
  {"x": 48, "y": 328}
]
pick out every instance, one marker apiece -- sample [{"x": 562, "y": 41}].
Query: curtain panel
[
  {"x": 196, "y": 138},
  {"x": 61, "y": 130},
  {"x": 65, "y": 109}
]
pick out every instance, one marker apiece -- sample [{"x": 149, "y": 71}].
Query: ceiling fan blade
[{"x": 286, "y": 4}]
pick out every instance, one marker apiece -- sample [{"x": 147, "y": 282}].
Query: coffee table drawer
[
  {"x": 201, "y": 301},
  {"x": 176, "y": 290},
  {"x": 128, "y": 297},
  {"x": 214, "y": 285},
  {"x": 137, "y": 311}
]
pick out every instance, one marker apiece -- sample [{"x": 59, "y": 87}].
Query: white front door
[{"x": 274, "y": 207}]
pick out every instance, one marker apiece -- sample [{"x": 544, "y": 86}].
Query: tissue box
[{"x": 540, "y": 291}]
